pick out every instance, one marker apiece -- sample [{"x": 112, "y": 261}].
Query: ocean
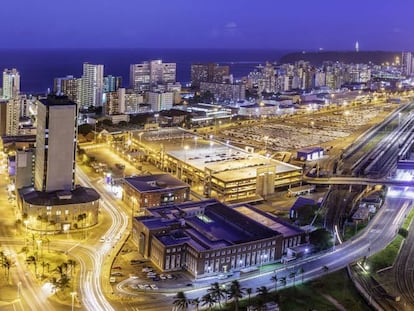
[{"x": 39, "y": 67}]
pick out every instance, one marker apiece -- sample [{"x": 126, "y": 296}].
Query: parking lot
[{"x": 138, "y": 274}]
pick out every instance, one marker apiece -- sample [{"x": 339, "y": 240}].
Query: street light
[
  {"x": 73, "y": 294},
  {"x": 19, "y": 284}
]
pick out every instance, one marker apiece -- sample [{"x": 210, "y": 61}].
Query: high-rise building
[
  {"x": 112, "y": 83},
  {"x": 160, "y": 100},
  {"x": 115, "y": 102},
  {"x": 149, "y": 73},
  {"x": 208, "y": 73},
  {"x": 68, "y": 86},
  {"x": 92, "y": 85},
  {"x": 3, "y": 117},
  {"x": 11, "y": 83},
  {"x": 407, "y": 63},
  {"x": 55, "y": 144},
  {"x": 12, "y": 117}
]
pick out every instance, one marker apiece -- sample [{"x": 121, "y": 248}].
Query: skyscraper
[
  {"x": 55, "y": 144},
  {"x": 92, "y": 85},
  {"x": 143, "y": 76},
  {"x": 12, "y": 117},
  {"x": 407, "y": 63},
  {"x": 11, "y": 83}
]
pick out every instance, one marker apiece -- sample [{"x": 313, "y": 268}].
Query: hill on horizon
[{"x": 362, "y": 57}]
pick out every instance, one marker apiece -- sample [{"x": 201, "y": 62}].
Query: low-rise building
[
  {"x": 143, "y": 192},
  {"x": 208, "y": 237},
  {"x": 59, "y": 211}
]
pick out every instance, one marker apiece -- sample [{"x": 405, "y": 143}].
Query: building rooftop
[
  {"x": 210, "y": 224},
  {"x": 155, "y": 183},
  {"x": 77, "y": 196},
  {"x": 55, "y": 100}
]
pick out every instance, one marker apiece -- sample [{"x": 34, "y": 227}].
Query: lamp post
[
  {"x": 19, "y": 284},
  {"x": 73, "y": 294},
  {"x": 26, "y": 222}
]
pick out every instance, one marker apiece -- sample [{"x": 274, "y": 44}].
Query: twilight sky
[{"x": 258, "y": 24}]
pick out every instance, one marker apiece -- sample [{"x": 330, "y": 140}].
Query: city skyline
[{"x": 263, "y": 24}]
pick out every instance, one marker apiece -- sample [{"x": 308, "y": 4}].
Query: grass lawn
[
  {"x": 387, "y": 256},
  {"x": 310, "y": 295},
  {"x": 350, "y": 230},
  {"x": 408, "y": 220}
]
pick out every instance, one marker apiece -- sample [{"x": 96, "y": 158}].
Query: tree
[
  {"x": 236, "y": 293},
  {"x": 263, "y": 294},
  {"x": 301, "y": 271},
  {"x": 180, "y": 301},
  {"x": 208, "y": 300},
  {"x": 321, "y": 238},
  {"x": 85, "y": 129},
  {"x": 196, "y": 302},
  {"x": 274, "y": 279},
  {"x": 249, "y": 293},
  {"x": 216, "y": 292},
  {"x": 292, "y": 275},
  {"x": 283, "y": 281}
]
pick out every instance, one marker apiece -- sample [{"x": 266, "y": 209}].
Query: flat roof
[
  {"x": 155, "y": 183},
  {"x": 202, "y": 154},
  {"x": 268, "y": 220},
  {"x": 210, "y": 224},
  {"x": 54, "y": 198}
]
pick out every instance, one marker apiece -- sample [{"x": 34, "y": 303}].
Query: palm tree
[
  {"x": 236, "y": 293},
  {"x": 208, "y": 300},
  {"x": 249, "y": 293},
  {"x": 301, "y": 271},
  {"x": 283, "y": 281},
  {"x": 292, "y": 275},
  {"x": 180, "y": 301},
  {"x": 216, "y": 292},
  {"x": 274, "y": 279},
  {"x": 195, "y": 302},
  {"x": 262, "y": 293}
]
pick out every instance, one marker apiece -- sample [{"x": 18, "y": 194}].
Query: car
[
  {"x": 146, "y": 269},
  {"x": 117, "y": 268},
  {"x": 133, "y": 276},
  {"x": 112, "y": 279},
  {"x": 141, "y": 286},
  {"x": 153, "y": 286},
  {"x": 169, "y": 276},
  {"x": 156, "y": 278},
  {"x": 116, "y": 274},
  {"x": 189, "y": 284},
  {"x": 163, "y": 277},
  {"x": 102, "y": 239},
  {"x": 108, "y": 240}
]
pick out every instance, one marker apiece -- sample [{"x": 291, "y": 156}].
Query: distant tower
[
  {"x": 11, "y": 83},
  {"x": 357, "y": 46}
]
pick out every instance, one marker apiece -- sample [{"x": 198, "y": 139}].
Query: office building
[
  {"x": 55, "y": 144},
  {"x": 144, "y": 76},
  {"x": 92, "y": 85},
  {"x": 11, "y": 83},
  {"x": 151, "y": 191},
  {"x": 55, "y": 204}
]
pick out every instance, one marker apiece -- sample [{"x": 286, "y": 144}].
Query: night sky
[{"x": 258, "y": 24}]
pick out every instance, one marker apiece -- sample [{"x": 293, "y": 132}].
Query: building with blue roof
[
  {"x": 209, "y": 237},
  {"x": 149, "y": 191}
]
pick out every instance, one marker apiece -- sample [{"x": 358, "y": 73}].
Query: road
[{"x": 379, "y": 233}]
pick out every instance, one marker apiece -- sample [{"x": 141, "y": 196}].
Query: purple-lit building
[{"x": 209, "y": 237}]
